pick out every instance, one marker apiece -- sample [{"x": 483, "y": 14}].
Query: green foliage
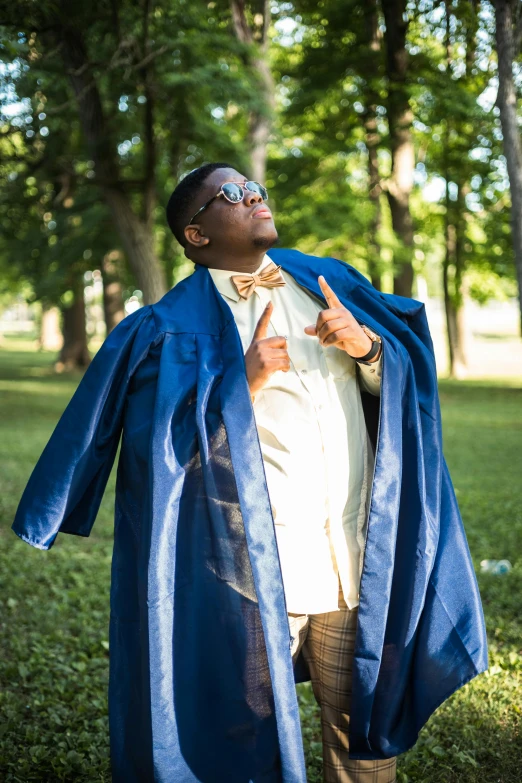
[
  {"x": 182, "y": 61},
  {"x": 460, "y": 145},
  {"x": 486, "y": 284},
  {"x": 318, "y": 162},
  {"x": 329, "y": 78}
]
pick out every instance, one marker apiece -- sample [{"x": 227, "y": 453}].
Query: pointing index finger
[
  {"x": 329, "y": 294},
  {"x": 262, "y": 324}
]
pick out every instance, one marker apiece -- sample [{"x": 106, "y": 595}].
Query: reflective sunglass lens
[
  {"x": 233, "y": 192},
  {"x": 257, "y": 188}
]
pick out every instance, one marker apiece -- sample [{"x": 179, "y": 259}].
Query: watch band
[{"x": 372, "y": 353}]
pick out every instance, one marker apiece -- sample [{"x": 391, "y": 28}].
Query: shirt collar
[{"x": 224, "y": 284}]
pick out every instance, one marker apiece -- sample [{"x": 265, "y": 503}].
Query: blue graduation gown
[{"x": 202, "y": 688}]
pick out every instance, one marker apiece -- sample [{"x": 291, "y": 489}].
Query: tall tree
[
  {"x": 373, "y": 140},
  {"x": 333, "y": 78},
  {"x": 456, "y": 143},
  {"x": 113, "y": 305},
  {"x": 400, "y": 117},
  {"x": 456, "y": 135},
  {"x": 253, "y": 34},
  {"x": 135, "y": 86},
  {"x": 56, "y": 44},
  {"x": 508, "y": 17},
  {"x": 75, "y": 351},
  {"x": 134, "y": 230}
]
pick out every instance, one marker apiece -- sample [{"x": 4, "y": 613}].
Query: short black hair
[{"x": 180, "y": 206}]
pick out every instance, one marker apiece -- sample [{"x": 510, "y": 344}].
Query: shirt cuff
[{"x": 370, "y": 376}]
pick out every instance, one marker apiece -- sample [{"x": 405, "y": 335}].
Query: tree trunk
[
  {"x": 453, "y": 303},
  {"x": 137, "y": 242},
  {"x": 454, "y": 222},
  {"x": 135, "y": 234},
  {"x": 507, "y": 104},
  {"x": 400, "y": 118},
  {"x": 149, "y": 139},
  {"x": 259, "y": 122},
  {"x": 456, "y": 330},
  {"x": 372, "y": 139},
  {"x": 374, "y": 250},
  {"x": 113, "y": 308},
  {"x": 50, "y": 337},
  {"x": 75, "y": 352}
]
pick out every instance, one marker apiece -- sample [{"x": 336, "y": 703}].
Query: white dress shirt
[{"x": 317, "y": 455}]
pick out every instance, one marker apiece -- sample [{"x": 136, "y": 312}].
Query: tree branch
[{"x": 112, "y": 65}]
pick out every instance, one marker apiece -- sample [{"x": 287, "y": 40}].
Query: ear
[{"x": 195, "y": 235}]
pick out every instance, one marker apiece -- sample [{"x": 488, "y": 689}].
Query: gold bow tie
[{"x": 269, "y": 277}]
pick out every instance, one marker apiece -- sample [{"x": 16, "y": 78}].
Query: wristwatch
[{"x": 374, "y": 350}]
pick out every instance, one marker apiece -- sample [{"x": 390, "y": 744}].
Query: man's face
[{"x": 226, "y": 227}]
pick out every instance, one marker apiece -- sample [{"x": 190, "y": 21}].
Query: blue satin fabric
[{"x": 201, "y": 685}]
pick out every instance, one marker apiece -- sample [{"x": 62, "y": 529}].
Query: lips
[{"x": 261, "y": 212}]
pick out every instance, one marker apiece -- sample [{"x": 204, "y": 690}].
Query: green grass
[{"x": 54, "y": 605}]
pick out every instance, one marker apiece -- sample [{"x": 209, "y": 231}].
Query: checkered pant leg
[{"x": 328, "y": 643}]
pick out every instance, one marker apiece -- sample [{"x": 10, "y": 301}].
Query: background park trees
[{"x": 388, "y": 134}]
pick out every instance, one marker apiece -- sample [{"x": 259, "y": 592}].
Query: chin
[{"x": 265, "y": 243}]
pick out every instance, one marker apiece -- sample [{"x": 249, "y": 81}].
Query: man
[
  {"x": 227, "y": 507},
  {"x": 312, "y": 433}
]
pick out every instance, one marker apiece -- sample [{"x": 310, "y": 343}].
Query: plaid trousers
[{"x": 327, "y": 641}]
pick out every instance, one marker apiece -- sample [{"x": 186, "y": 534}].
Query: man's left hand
[{"x": 337, "y": 326}]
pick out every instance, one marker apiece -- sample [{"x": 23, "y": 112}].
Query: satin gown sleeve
[{"x": 65, "y": 489}]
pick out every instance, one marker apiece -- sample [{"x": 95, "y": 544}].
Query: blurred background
[{"x": 388, "y": 134}]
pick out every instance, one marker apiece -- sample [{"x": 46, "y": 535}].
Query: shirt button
[
  {"x": 320, "y": 407},
  {"x": 372, "y": 370},
  {"x": 304, "y": 369}
]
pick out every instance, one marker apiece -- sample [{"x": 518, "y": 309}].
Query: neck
[{"x": 244, "y": 262}]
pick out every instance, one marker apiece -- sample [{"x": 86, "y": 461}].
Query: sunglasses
[{"x": 234, "y": 192}]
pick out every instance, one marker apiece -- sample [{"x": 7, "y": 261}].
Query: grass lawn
[{"x": 54, "y": 606}]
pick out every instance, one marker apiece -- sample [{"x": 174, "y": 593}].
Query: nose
[{"x": 251, "y": 197}]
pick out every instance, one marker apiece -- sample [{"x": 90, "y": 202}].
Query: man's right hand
[{"x": 265, "y": 354}]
